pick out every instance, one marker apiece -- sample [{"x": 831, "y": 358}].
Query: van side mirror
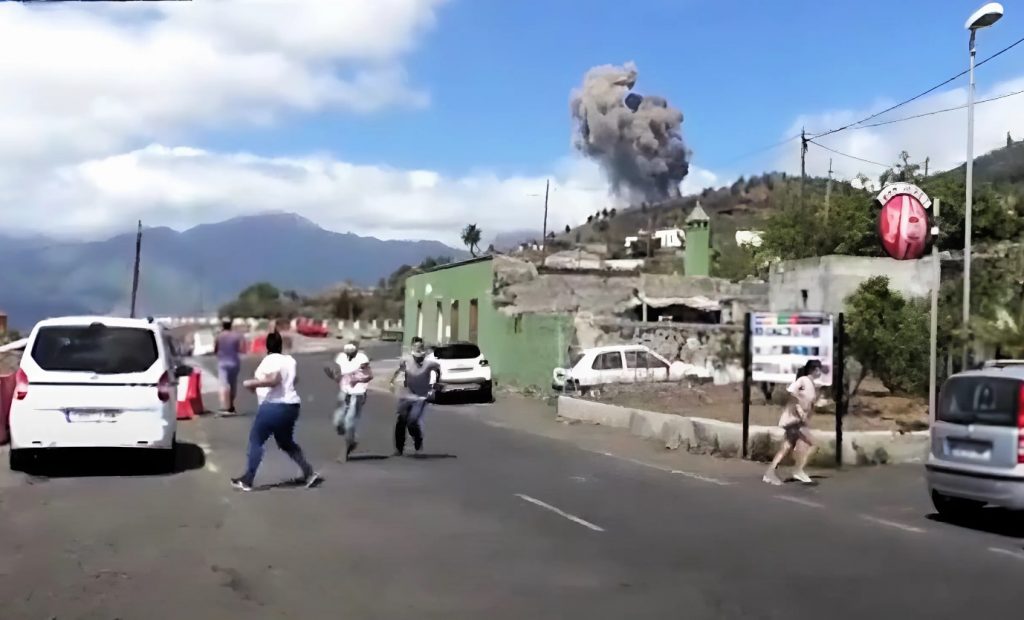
[{"x": 182, "y": 370}]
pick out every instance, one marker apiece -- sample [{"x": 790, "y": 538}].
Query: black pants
[{"x": 409, "y": 414}]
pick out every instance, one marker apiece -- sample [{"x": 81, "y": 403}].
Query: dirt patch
[{"x": 870, "y": 411}]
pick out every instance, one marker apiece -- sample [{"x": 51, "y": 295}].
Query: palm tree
[{"x": 471, "y": 237}]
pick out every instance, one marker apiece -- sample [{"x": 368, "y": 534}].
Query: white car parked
[
  {"x": 614, "y": 364},
  {"x": 464, "y": 367},
  {"x": 95, "y": 382}
]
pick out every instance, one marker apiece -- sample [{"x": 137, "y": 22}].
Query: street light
[{"x": 982, "y": 18}]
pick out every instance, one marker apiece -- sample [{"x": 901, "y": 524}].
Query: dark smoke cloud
[{"x": 637, "y": 140}]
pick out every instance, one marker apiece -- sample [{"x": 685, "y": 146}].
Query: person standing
[
  {"x": 274, "y": 383},
  {"x": 418, "y": 388},
  {"x": 228, "y": 348},
  {"x": 352, "y": 370},
  {"x": 795, "y": 421}
]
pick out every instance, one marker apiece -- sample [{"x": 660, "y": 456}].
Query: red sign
[{"x": 903, "y": 221}]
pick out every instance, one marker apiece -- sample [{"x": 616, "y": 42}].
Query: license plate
[
  {"x": 970, "y": 451},
  {"x": 92, "y": 416}
]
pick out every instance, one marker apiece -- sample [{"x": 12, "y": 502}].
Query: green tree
[
  {"x": 471, "y": 235},
  {"x": 888, "y": 335}
]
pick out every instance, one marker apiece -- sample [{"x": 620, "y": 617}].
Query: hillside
[
  {"x": 195, "y": 270},
  {"x": 749, "y": 202}
]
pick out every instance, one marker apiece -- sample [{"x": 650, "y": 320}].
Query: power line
[
  {"x": 763, "y": 149},
  {"x": 934, "y": 112},
  {"x": 831, "y": 150},
  {"x": 919, "y": 95}
]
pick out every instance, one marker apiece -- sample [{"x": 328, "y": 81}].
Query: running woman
[
  {"x": 795, "y": 420},
  {"x": 274, "y": 384}
]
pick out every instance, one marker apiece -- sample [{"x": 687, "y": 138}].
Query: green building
[
  {"x": 455, "y": 303},
  {"x": 698, "y": 243}
]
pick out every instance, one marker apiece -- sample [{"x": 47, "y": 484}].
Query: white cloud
[
  {"x": 92, "y": 93},
  {"x": 942, "y": 138},
  {"x": 83, "y": 81}
]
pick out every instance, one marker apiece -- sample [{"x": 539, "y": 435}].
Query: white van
[{"x": 95, "y": 382}]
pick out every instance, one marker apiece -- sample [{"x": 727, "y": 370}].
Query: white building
[{"x": 669, "y": 238}]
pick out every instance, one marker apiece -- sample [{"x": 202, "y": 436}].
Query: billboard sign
[
  {"x": 903, "y": 221},
  {"x": 782, "y": 342}
]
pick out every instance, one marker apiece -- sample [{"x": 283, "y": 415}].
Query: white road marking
[
  {"x": 709, "y": 479},
  {"x": 212, "y": 467},
  {"x": 1010, "y": 552},
  {"x": 800, "y": 500},
  {"x": 495, "y": 424},
  {"x": 577, "y": 478},
  {"x": 633, "y": 461},
  {"x": 688, "y": 474},
  {"x": 561, "y": 513},
  {"x": 888, "y": 523}
]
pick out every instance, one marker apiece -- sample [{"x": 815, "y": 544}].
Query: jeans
[
  {"x": 410, "y": 410},
  {"x": 277, "y": 419},
  {"x": 346, "y": 416}
]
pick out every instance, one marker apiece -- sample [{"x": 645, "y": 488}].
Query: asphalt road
[{"x": 508, "y": 515}]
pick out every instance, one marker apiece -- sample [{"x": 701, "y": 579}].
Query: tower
[{"x": 698, "y": 243}]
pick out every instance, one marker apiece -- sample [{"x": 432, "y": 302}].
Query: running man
[
  {"x": 352, "y": 370},
  {"x": 417, "y": 390},
  {"x": 274, "y": 384},
  {"x": 228, "y": 347}
]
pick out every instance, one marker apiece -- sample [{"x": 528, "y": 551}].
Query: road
[{"x": 509, "y": 515}]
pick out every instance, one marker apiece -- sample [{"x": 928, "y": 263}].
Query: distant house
[
  {"x": 669, "y": 238},
  {"x": 749, "y": 238}
]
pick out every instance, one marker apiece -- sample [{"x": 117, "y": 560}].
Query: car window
[
  {"x": 989, "y": 401},
  {"x": 575, "y": 359},
  {"x": 635, "y": 359},
  {"x": 95, "y": 348},
  {"x": 457, "y": 352},
  {"x": 608, "y": 361},
  {"x": 653, "y": 362}
]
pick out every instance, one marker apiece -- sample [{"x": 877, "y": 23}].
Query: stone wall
[{"x": 712, "y": 352}]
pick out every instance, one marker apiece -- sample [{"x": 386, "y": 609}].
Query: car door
[
  {"x": 636, "y": 366},
  {"x": 657, "y": 366},
  {"x": 607, "y": 368}
]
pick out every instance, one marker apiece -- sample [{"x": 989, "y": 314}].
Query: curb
[{"x": 706, "y": 436}]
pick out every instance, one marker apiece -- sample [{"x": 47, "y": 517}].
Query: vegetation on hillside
[{"x": 345, "y": 302}]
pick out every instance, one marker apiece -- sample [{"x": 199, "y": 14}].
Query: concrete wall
[
  {"x": 522, "y": 349},
  {"x": 829, "y": 280}
]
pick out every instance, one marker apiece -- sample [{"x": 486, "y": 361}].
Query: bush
[{"x": 888, "y": 335}]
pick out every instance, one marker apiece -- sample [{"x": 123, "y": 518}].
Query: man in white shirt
[
  {"x": 274, "y": 383},
  {"x": 354, "y": 375}
]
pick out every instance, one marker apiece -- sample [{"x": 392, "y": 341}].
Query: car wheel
[
  {"x": 955, "y": 507},
  {"x": 487, "y": 392},
  {"x": 20, "y": 460}
]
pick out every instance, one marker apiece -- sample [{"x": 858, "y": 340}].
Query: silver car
[{"x": 977, "y": 440}]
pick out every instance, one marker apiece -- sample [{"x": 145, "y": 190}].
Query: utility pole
[
  {"x": 926, "y": 166},
  {"x": 544, "y": 239},
  {"x": 803, "y": 164},
  {"x": 828, "y": 189},
  {"x": 135, "y": 270}
]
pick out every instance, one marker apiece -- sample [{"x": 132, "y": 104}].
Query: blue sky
[
  {"x": 499, "y": 75},
  {"x": 409, "y": 118}
]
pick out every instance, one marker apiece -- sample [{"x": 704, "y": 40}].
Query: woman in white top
[
  {"x": 796, "y": 416},
  {"x": 274, "y": 384}
]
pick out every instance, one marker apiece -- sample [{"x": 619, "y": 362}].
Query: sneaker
[
  {"x": 771, "y": 478},
  {"x": 801, "y": 476},
  {"x": 398, "y": 452},
  {"x": 240, "y": 484},
  {"x": 313, "y": 480}
]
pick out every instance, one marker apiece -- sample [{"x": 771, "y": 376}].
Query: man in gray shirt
[
  {"x": 418, "y": 388},
  {"x": 228, "y": 347}
]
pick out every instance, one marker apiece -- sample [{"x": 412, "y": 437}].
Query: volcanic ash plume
[{"x": 636, "y": 139}]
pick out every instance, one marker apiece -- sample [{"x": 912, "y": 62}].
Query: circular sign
[{"x": 903, "y": 221}]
